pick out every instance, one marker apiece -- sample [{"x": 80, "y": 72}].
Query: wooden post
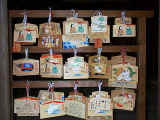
[
  {"x": 158, "y": 83},
  {"x": 4, "y": 63},
  {"x": 141, "y": 94}
]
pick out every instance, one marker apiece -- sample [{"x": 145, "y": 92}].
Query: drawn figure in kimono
[
  {"x": 29, "y": 36},
  {"x": 128, "y": 30},
  {"x": 120, "y": 31},
  {"x": 72, "y": 29},
  {"x": 54, "y": 69},
  {"x": 125, "y": 75},
  {"x": 21, "y": 36},
  {"x": 80, "y": 28}
]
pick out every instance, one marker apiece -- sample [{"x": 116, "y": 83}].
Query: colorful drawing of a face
[{"x": 26, "y": 67}]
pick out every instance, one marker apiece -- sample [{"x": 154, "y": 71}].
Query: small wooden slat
[
  {"x": 89, "y": 49},
  {"x": 58, "y": 84},
  {"x": 82, "y": 13},
  {"x": 141, "y": 95}
]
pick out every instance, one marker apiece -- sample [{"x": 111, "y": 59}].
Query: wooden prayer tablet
[
  {"x": 75, "y": 26},
  {"x": 25, "y": 67},
  {"x": 100, "y": 106},
  {"x": 118, "y": 21},
  {"x": 51, "y": 66},
  {"x": 99, "y": 68},
  {"x": 46, "y": 96},
  {"x": 123, "y": 99},
  {"x": 51, "y": 41},
  {"x": 26, "y": 106},
  {"x": 51, "y": 29},
  {"x": 124, "y": 30},
  {"x": 119, "y": 59},
  {"x": 74, "y": 41},
  {"x": 76, "y": 68},
  {"x": 124, "y": 75},
  {"x": 25, "y": 34},
  {"x": 51, "y": 104},
  {"x": 75, "y": 105},
  {"x": 52, "y": 109},
  {"x": 104, "y": 36}
]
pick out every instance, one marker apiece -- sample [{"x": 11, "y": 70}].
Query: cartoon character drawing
[
  {"x": 128, "y": 30},
  {"x": 29, "y": 36},
  {"x": 20, "y": 36}
]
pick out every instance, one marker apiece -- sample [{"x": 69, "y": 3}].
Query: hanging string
[
  {"x": 75, "y": 86},
  {"x": 123, "y": 16},
  {"x": 26, "y": 53},
  {"x": 27, "y": 88},
  {"x": 50, "y": 16},
  {"x": 25, "y": 18},
  {"x": 51, "y": 88},
  {"x": 50, "y": 52},
  {"x": 75, "y": 50},
  {"x": 99, "y": 55},
  {"x": 74, "y": 13},
  {"x": 99, "y": 13},
  {"x": 123, "y": 54},
  {"x": 100, "y": 82}
]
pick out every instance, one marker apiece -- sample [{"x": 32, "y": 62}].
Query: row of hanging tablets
[
  {"x": 120, "y": 70},
  {"x": 98, "y": 106},
  {"x": 76, "y": 31}
]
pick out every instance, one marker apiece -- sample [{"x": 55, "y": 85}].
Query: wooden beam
[
  {"x": 4, "y": 63},
  {"x": 141, "y": 95},
  {"x": 82, "y": 13},
  {"x": 89, "y": 49},
  {"x": 58, "y": 83}
]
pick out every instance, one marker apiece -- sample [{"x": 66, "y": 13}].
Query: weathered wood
[
  {"x": 141, "y": 97},
  {"x": 4, "y": 63},
  {"x": 58, "y": 84},
  {"x": 88, "y": 49},
  {"x": 82, "y": 13},
  {"x": 158, "y": 93}
]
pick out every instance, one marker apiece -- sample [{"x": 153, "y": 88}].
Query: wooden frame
[{"x": 140, "y": 48}]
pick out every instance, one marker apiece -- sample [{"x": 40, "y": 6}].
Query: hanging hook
[
  {"x": 100, "y": 82},
  {"x": 50, "y": 16},
  {"x": 75, "y": 50},
  {"x": 27, "y": 88},
  {"x": 51, "y": 88},
  {"x": 50, "y": 52},
  {"x": 99, "y": 54},
  {"x": 26, "y": 53},
  {"x": 99, "y": 13},
  {"x": 75, "y": 86},
  {"x": 25, "y": 18},
  {"x": 74, "y": 13},
  {"x": 123, "y": 16}
]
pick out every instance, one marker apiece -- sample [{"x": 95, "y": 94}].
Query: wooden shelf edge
[
  {"x": 82, "y": 13},
  {"x": 58, "y": 84},
  {"x": 89, "y": 49}
]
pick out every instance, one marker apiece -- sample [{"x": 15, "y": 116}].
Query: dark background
[{"x": 152, "y": 31}]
